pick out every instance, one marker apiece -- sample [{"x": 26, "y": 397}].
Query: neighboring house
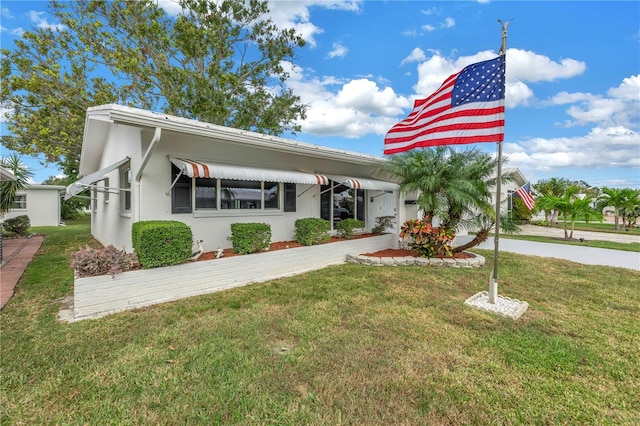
[
  {"x": 42, "y": 203},
  {"x": 141, "y": 165},
  {"x": 507, "y": 189}
]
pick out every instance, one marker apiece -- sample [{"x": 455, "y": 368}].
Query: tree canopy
[{"x": 222, "y": 62}]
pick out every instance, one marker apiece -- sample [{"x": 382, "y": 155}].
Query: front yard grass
[{"x": 348, "y": 344}]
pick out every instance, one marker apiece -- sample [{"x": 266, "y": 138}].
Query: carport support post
[{"x": 493, "y": 279}]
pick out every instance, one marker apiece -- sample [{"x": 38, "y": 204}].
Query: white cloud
[
  {"x": 347, "y": 108},
  {"x": 338, "y": 51},
  {"x": 295, "y": 14},
  {"x": 40, "y": 21},
  {"x": 416, "y": 55},
  {"x": 621, "y": 107},
  {"x": 601, "y": 147},
  {"x": 525, "y": 65},
  {"x": 432, "y": 11},
  {"x": 18, "y": 32},
  {"x": 448, "y": 23},
  {"x": 629, "y": 89},
  {"x": 522, "y": 67},
  {"x": 171, "y": 7},
  {"x": 428, "y": 27},
  {"x": 5, "y": 13}
]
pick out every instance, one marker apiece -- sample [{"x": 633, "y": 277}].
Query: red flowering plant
[{"x": 427, "y": 240}]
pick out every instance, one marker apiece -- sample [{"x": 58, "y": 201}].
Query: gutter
[
  {"x": 156, "y": 138},
  {"x": 154, "y": 141}
]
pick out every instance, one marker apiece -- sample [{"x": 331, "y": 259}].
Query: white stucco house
[
  {"x": 42, "y": 203},
  {"x": 142, "y": 165}
]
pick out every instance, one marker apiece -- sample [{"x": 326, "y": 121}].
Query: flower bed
[{"x": 94, "y": 297}]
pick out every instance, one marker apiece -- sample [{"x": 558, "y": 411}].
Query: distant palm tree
[
  {"x": 9, "y": 188},
  {"x": 618, "y": 198},
  {"x": 452, "y": 186},
  {"x": 554, "y": 187}
]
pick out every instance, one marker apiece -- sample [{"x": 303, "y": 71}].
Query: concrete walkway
[{"x": 17, "y": 253}]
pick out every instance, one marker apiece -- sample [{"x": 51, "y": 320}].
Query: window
[
  {"x": 94, "y": 199},
  {"x": 125, "y": 188},
  {"x": 510, "y": 200},
  {"x": 106, "y": 188},
  {"x": 206, "y": 193},
  {"x": 289, "y": 197},
  {"x": 211, "y": 194},
  {"x": 240, "y": 194},
  {"x": 341, "y": 202},
  {"x": 271, "y": 195},
  {"x": 181, "y": 192},
  {"x": 19, "y": 202}
]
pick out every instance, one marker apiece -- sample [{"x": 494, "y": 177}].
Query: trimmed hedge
[
  {"x": 250, "y": 237},
  {"x": 161, "y": 242},
  {"x": 18, "y": 225},
  {"x": 345, "y": 227},
  {"x": 312, "y": 230}
]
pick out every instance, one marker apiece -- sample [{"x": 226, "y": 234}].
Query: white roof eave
[{"x": 143, "y": 118}]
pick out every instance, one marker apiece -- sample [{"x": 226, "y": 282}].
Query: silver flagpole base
[{"x": 493, "y": 289}]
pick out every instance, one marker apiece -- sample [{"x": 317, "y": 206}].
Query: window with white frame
[
  {"x": 339, "y": 202},
  {"x": 125, "y": 188},
  {"x": 19, "y": 202},
  {"x": 106, "y": 188},
  {"x": 210, "y": 194}
]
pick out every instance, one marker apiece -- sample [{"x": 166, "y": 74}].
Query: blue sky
[{"x": 573, "y": 75}]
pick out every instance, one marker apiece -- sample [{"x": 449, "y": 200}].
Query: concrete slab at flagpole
[{"x": 504, "y": 306}]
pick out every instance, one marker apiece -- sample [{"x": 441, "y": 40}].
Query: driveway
[{"x": 574, "y": 253}]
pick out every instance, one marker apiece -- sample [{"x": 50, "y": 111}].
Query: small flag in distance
[{"x": 524, "y": 193}]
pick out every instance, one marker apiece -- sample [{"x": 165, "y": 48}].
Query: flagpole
[{"x": 493, "y": 280}]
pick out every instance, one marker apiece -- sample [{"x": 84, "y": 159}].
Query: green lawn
[{"x": 348, "y": 344}]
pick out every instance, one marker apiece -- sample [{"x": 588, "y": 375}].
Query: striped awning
[
  {"x": 204, "y": 169},
  {"x": 364, "y": 183}
]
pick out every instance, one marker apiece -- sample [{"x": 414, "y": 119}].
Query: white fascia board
[{"x": 144, "y": 118}]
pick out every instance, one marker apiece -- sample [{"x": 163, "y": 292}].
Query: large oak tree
[{"x": 222, "y": 62}]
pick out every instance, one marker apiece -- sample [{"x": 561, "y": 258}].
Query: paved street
[
  {"x": 585, "y": 255},
  {"x": 574, "y": 253}
]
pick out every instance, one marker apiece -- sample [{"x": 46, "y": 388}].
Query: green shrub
[
  {"x": 161, "y": 242},
  {"x": 18, "y": 225},
  {"x": 382, "y": 224},
  {"x": 345, "y": 227},
  {"x": 425, "y": 239},
  {"x": 90, "y": 262},
  {"x": 250, "y": 237},
  {"x": 312, "y": 230}
]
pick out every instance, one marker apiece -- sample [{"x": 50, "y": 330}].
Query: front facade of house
[
  {"x": 141, "y": 165},
  {"x": 41, "y": 203}
]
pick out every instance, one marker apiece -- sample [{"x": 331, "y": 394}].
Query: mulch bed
[{"x": 283, "y": 245}]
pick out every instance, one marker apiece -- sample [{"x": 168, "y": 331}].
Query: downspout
[{"x": 156, "y": 138}]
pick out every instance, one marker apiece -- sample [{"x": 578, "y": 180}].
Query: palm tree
[
  {"x": 452, "y": 186},
  {"x": 554, "y": 187},
  {"x": 571, "y": 207},
  {"x": 618, "y": 198},
  {"x": 9, "y": 188}
]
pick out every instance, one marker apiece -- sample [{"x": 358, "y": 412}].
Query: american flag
[
  {"x": 467, "y": 108},
  {"x": 524, "y": 193}
]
